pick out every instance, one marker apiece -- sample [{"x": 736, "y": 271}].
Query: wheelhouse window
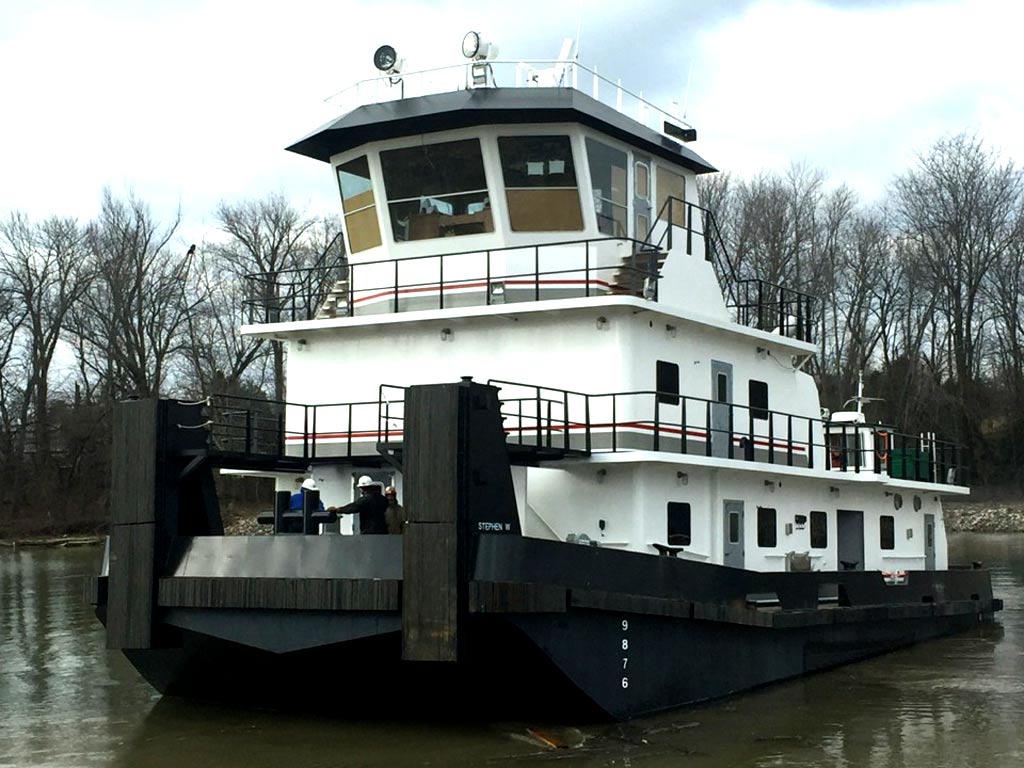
[
  {"x": 667, "y": 382},
  {"x": 819, "y": 530},
  {"x": 678, "y": 524},
  {"x": 437, "y": 190},
  {"x": 758, "y": 400},
  {"x": 608, "y": 182},
  {"x": 540, "y": 183},
  {"x": 358, "y": 204},
  {"x": 767, "y": 531},
  {"x": 887, "y": 532},
  {"x": 669, "y": 184}
]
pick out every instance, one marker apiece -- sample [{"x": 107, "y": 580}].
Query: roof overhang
[{"x": 488, "y": 106}]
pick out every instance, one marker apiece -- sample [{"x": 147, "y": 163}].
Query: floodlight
[
  {"x": 471, "y": 45},
  {"x": 385, "y": 58},
  {"x": 476, "y": 48}
]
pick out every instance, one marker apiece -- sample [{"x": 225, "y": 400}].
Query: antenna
[
  {"x": 579, "y": 29},
  {"x": 686, "y": 94},
  {"x": 859, "y": 398}
]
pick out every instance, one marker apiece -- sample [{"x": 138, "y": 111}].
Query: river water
[{"x": 66, "y": 701}]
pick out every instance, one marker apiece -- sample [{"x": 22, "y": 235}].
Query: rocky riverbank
[{"x": 979, "y": 517}]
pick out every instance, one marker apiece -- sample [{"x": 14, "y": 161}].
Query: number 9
[{"x": 625, "y": 625}]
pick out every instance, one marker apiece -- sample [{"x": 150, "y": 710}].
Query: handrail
[
  {"x": 566, "y": 420},
  {"x": 921, "y": 458},
  {"x": 395, "y": 286}
]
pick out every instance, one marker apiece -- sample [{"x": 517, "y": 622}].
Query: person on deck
[
  {"x": 309, "y": 484},
  {"x": 394, "y": 515},
  {"x": 370, "y": 506}
]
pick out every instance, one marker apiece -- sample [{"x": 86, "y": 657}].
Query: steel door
[
  {"x": 929, "y": 542},
  {"x": 721, "y": 407},
  {"x": 732, "y": 551},
  {"x": 641, "y": 197},
  {"x": 850, "y": 540}
]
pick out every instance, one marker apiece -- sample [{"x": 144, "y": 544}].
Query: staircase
[
  {"x": 638, "y": 273},
  {"x": 336, "y": 302}
]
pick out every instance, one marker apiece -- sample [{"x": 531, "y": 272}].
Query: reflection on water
[{"x": 65, "y": 701}]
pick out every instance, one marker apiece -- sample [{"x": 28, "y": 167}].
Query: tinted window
[
  {"x": 767, "y": 535},
  {"x": 540, "y": 184},
  {"x": 758, "y": 400},
  {"x": 608, "y": 182},
  {"x": 678, "y": 524},
  {"x": 734, "y": 528},
  {"x": 358, "y": 203},
  {"x": 887, "y": 531},
  {"x": 667, "y": 383},
  {"x": 722, "y": 388},
  {"x": 819, "y": 530},
  {"x": 437, "y": 190},
  {"x": 537, "y": 161}
]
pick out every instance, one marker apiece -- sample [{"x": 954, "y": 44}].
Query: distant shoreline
[
  {"x": 984, "y": 517},
  {"x": 960, "y": 517}
]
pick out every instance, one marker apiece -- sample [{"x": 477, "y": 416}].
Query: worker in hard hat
[
  {"x": 309, "y": 484},
  {"x": 370, "y": 506},
  {"x": 395, "y": 513}
]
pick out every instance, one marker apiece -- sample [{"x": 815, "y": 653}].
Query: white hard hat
[
  {"x": 364, "y": 482},
  {"x": 309, "y": 484}
]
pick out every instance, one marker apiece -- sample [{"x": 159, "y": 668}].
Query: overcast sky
[{"x": 193, "y": 101}]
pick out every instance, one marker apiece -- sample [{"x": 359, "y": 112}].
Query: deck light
[
  {"x": 385, "y": 59},
  {"x": 476, "y": 48}
]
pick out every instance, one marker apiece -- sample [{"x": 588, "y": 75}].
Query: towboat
[{"x": 619, "y": 491}]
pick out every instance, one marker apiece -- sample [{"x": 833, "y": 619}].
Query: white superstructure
[{"x": 535, "y": 236}]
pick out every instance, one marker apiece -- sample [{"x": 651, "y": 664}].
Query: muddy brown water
[{"x": 66, "y": 701}]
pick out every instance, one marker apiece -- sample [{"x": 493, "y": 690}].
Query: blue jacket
[{"x": 296, "y": 501}]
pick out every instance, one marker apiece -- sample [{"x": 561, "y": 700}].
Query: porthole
[
  {"x": 897, "y": 500},
  {"x": 917, "y": 502}
]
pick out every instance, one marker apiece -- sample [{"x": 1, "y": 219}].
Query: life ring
[
  {"x": 882, "y": 445},
  {"x": 837, "y": 458}
]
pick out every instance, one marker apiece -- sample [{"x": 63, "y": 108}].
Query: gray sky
[{"x": 190, "y": 102}]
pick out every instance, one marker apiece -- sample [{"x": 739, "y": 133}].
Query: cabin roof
[{"x": 488, "y": 106}]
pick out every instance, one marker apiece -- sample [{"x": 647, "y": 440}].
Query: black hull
[
  {"x": 462, "y": 614},
  {"x": 567, "y": 666}
]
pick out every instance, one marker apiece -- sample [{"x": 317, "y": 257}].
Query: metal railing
[
  {"x": 431, "y": 281},
  {"x": 532, "y": 73},
  {"x": 567, "y": 421},
  {"x": 287, "y": 295},
  {"x": 756, "y": 303}
]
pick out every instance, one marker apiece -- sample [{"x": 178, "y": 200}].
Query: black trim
[{"x": 488, "y": 106}]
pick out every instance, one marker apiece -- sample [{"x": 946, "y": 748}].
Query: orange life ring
[
  {"x": 837, "y": 458},
  {"x": 882, "y": 445}
]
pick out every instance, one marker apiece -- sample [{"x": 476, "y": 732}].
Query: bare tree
[
  {"x": 268, "y": 237},
  {"x": 46, "y": 269},
  {"x": 133, "y": 320},
  {"x": 961, "y": 207}
]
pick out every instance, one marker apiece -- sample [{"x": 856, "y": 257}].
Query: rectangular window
[
  {"x": 887, "y": 532},
  {"x": 667, "y": 382},
  {"x": 758, "y": 400},
  {"x": 734, "y": 527},
  {"x": 767, "y": 533},
  {"x": 608, "y": 183},
  {"x": 437, "y": 190},
  {"x": 670, "y": 185},
  {"x": 722, "y": 388},
  {"x": 678, "y": 524},
  {"x": 540, "y": 183},
  {"x": 358, "y": 205},
  {"x": 819, "y": 530}
]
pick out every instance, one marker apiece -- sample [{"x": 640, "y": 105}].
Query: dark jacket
[{"x": 371, "y": 507}]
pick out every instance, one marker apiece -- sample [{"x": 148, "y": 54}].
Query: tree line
[
  {"x": 921, "y": 292},
  {"x": 114, "y": 308}
]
